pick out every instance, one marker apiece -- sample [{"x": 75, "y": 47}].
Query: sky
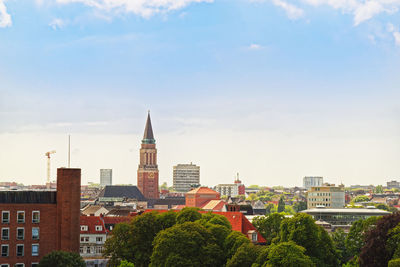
[{"x": 274, "y": 90}]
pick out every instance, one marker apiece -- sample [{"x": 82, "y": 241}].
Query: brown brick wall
[{"x": 47, "y": 232}]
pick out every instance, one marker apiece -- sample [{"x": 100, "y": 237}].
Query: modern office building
[
  {"x": 343, "y": 217},
  {"x": 105, "y": 177},
  {"x": 184, "y": 176},
  {"x": 329, "y": 196},
  {"x": 34, "y": 223},
  {"x": 393, "y": 184},
  {"x": 147, "y": 174},
  {"x": 310, "y": 181}
]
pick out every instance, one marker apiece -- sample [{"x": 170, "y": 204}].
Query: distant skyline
[{"x": 275, "y": 90}]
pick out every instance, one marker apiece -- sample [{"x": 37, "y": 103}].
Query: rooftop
[{"x": 345, "y": 210}]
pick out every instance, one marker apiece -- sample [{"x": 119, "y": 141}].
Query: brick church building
[
  {"x": 147, "y": 174},
  {"x": 34, "y": 223}
]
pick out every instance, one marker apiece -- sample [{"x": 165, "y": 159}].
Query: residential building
[
  {"x": 147, "y": 174},
  {"x": 329, "y": 196},
  {"x": 105, "y": 177},
  {"x": 94, "y": 210},
  {"x": 184, "y": 176},
  {"x": 310, "y": 181},
  {"x": 230, "y": 190},
  {"x": 393, "y": 184},
  {"x": 93, "y": 234},
  {"x": 34, "y": 223}
]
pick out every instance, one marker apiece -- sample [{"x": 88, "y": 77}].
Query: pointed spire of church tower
[{"x": 148, "y": 137}]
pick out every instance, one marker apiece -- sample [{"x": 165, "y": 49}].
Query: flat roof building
[
  {"x": 327, "y": 196},
  {"x": 184, "y": 176},
  {"x": 310, "y": 181},
  {"x": 105, "y": 177},
  {"x": 343, "y": 217}
]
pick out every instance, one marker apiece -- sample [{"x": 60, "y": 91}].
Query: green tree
[
  {"x": 355, "y": 238},
  {"x": 379, "y": 189},
  {"x": 187, "y": 241},
  {"x": 361, "y": 198},
  {"x": 288, "y": 254},
  {"x": 394, "y": 263},
  {"x": 62, "y": 258},
  {"x": 269, "y": 225},
  {"x": 270, "y": 208},
  {"x": 125, "y": 263},
  {"x": 245, "y": 256},
  {"x": 302, "y": 230},
  {"x": 133, "y": 241},
  {"x": 281, "y": 204},
  {"x": 252, "y": 197},
  {"x": 339, "y": 242},
  {"x": 299, "y": 206},
  {"x": 233, "y": 241},
  {"x": 375, "y": 252},
  {"x": 188, "y": 215}
]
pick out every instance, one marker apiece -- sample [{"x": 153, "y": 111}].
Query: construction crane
[{"x": 47, "y": 154}]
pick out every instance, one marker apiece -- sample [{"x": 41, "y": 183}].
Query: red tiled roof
[
  {"x": 238, "y": 221},
  {"x": 202, "y": 190},
  {"x": 91, "y": 222}
]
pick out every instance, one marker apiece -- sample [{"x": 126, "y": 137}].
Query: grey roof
[
  {"x": 124, "y": 191},
  {"x": 148, "y": 131},
  {"x": 173, "y": 201},
  {"x": 345, "y": 210},
  {"x": 28, "y": 197}
]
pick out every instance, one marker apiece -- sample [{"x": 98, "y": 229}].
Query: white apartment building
[
  {"x": 230, "y": 190},
  {"x": 310, "y": 181},
  {"x": 184, "y": 176},
  {"x": 105, "y": 177}
]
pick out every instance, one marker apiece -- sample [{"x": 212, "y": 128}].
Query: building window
[
  {"x": 84, "y": 227},
  {"x": 99, "y": 228},
  {"x": 99, "y": 239},
  {"x": 88, "y": 250},
  {"x": 20, "y": 250},
  {"x": 254, "y": 237},
  {"x": 35, "y": 233},
  {"x": 20, "y": 233},
  {"x": 5, "y": 217},
  {"x": 35, "y": 249},
  {"x": 4, "y": 265},
  {"x": 4, "y": 250},
  {"x": 19, "y": 265},
  {"x": 20, "y": 216},
  {"x": 5, "y": 233},
  {"x": 99, "y": 250},
  {"x": 36, "y": 216},
  {"x": 35, "y": 264},
  {"x": 81, "y": 250}
]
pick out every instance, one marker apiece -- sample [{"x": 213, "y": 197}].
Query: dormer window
[
  {"x": 84, "y": 227},
  {"x": 99, "y": 228}
]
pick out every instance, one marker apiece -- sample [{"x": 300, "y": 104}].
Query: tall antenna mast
[{"x": 69, "y": 151}]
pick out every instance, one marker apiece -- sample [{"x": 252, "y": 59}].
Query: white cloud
[
  {"x": 292, "y": 11},
  {"x": 5, "y": 18},
  {"x": 144, "y": 8},
  {"x": 362, "y": 10},
  {"x": 255, "y": 47},
  {"x": 396, "y": 34},
  {"x": 57, "y": 24}
]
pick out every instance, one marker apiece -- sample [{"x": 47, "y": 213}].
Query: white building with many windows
[
  {"x": 92, "y": 237},
  {"x": 184, "y": 176}
]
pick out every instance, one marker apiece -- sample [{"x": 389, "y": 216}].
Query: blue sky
[{"x": 312, "y": 84}]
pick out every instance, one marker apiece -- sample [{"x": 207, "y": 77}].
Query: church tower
[{"x": 147, "y": 175}]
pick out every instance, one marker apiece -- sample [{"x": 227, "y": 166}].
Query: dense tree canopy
[
  {"x": 288, "y": 254},
  {"x": 375, "y": 252},
  {"x": 269, "y": 225},
  {"x": 355, "y": 238},
  {"x": 62, "y": 258},
  {"x": 189, "y": 240}
]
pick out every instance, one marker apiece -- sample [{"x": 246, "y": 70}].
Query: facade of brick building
[
  {"x": 201, "y": 196},
  {"x": 147, "y": 174},
  {"x": 34, "y": 223}
]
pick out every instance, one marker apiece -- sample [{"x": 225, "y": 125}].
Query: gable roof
[
  {"x": 124, "y": 191},
  {"x": 91, "y": 222},
  {"x": 92, "y": 209},
  {"x": 215, "y": 205}
]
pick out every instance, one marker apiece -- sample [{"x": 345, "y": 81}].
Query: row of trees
[{"x": 371, "y": 242}]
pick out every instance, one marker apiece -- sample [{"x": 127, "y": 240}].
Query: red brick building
[
  {"x": 200, "y": 196},
  {"x": 147, "y": 174},
  {"x": 34, "y": 223}
]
